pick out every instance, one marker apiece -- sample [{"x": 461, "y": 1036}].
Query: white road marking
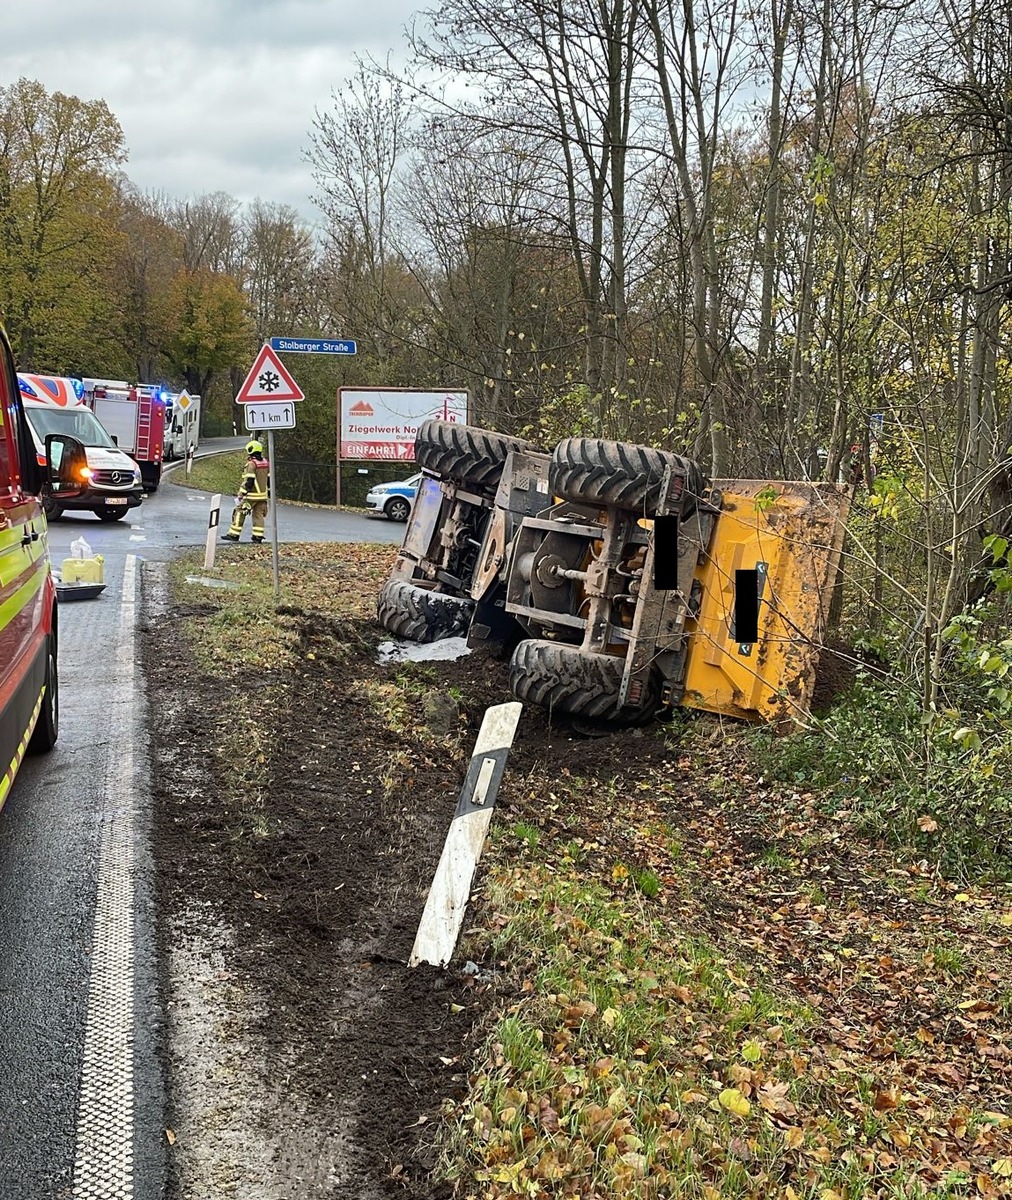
[{"x": 103, "y": 1158}]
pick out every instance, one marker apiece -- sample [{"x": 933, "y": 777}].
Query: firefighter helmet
[{"x": 254, "y": 448}]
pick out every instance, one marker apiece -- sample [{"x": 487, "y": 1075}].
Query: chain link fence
[
  {"x": 313, "y": 482},
  {"x": 316, "y": 482}
]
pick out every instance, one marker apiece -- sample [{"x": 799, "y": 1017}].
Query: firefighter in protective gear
[{"x": 251, "y": 499}]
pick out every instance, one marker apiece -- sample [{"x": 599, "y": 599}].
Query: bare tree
[
  {"x": 278, "y": 268},
  {"x": 210, "y": 228},
  {"x": 565, "y": 75},
  {"x": 357, "y": 150}
]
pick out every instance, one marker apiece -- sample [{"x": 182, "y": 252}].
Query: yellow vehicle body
[
  {"x": 793, "y": 534},
  {"x": 610, "y": 570}
]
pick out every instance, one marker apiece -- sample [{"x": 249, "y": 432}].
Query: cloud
[{"x": 212, "y": 95}]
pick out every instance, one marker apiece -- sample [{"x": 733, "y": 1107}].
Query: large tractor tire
[
  {"x": 620, "y": 474},
  {"x": 464, "y": 453},
  {"x": 421, "y": 615},
  {"x": 566, "y": 679}
]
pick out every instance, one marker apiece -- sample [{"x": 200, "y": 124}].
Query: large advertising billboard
[{"x": 381, "y": 423}]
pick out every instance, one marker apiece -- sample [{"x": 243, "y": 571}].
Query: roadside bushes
[{"x": 935, "y": 783}]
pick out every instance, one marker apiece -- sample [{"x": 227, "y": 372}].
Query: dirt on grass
[
  {"x": 302, "y": 897},
  {"x": 306, "y": 1059}
]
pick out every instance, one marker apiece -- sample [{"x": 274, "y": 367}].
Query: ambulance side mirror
[{"x": 66, "y": 465}]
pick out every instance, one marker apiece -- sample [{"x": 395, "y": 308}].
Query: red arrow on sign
[{"x": 268, "y": 380}]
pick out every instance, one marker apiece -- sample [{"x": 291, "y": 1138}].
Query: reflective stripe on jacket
[{"x": 255, "y": 480}]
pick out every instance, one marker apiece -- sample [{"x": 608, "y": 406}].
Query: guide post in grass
[
  {"x": 272, "y": 488},
  {"x": 212, "y": 531},
  {"x": 443, "y": 915}
]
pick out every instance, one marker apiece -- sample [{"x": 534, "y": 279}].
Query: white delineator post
[
  {"x": 274, "y": 511},
  {"x": 443, "y": 915},
  {"x": 212, "y": 531},
  {"x": 190, "y": 452}
]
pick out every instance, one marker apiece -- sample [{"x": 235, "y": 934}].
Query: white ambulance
[{"x": 112, "y": 482}]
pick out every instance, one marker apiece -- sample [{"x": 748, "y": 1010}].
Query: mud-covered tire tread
[
  {"x": 464, "y": 453},
  {"x": 620, "y": 474},
  {"x": 421, "y": 615},
  {"x": 568, "y": 680}
]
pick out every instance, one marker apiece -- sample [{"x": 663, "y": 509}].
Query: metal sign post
[
  {"x": 274, "y": 511},
  {"x": 266, "y": 394},
  {"x": 294, "y": 345}
]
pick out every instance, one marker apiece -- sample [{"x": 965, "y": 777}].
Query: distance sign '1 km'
[{"x": 270, "y": 416}]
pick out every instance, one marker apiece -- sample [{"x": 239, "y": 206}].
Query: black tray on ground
[{"x": 79, "y": 591}]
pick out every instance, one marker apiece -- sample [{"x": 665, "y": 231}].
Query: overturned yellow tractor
[{"x": 623, "y": 581}]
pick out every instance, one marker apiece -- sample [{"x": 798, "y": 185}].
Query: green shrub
[{"x": 910, "y": 779}]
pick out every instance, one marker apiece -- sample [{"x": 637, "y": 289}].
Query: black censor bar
[
  {"x": 746, "y": 605},
  {"x": 666, "y": 552}
]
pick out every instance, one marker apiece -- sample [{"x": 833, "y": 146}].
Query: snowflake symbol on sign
[{"x": 269, "y": 381}]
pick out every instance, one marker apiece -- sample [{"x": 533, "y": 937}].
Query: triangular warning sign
[{"x": 268, "y": 380}]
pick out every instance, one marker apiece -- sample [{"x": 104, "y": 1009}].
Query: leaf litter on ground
[
  {"x": 795, "y": 1012},
  {"x": 706, "y": 985}
]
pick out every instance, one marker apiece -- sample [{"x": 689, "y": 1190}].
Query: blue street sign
[{"x": 313, "y": 346}]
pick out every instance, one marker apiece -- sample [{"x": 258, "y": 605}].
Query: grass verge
[
  {"x": 248, "y": 635},
  {"x": 222, "y": 473},
  {"x": 215, "y": 473},
  {"x": 730, "y": 996},
  {"x": 706, "y": 985},
  {"x": 908, "y": 781}
]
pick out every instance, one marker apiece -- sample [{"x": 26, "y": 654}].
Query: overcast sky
[{"x": 212, "y": 95}]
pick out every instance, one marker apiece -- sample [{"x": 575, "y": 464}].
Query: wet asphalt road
[{"x": 81, "y": 1097}]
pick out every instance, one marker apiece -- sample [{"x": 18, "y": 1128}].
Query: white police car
[{"x": 394, "y": 500}]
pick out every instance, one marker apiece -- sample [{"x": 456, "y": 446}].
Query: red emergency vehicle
[
  {"x": 136, "y": 419},
  {"x": 29, "y": 693}
]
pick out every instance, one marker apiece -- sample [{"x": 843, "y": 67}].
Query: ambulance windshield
[{"x": 80, "y": 423}]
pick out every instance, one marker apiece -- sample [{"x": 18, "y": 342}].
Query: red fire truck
[
  {"x": 135, "y": 417},
  {"x": 29, "y": 692}
]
